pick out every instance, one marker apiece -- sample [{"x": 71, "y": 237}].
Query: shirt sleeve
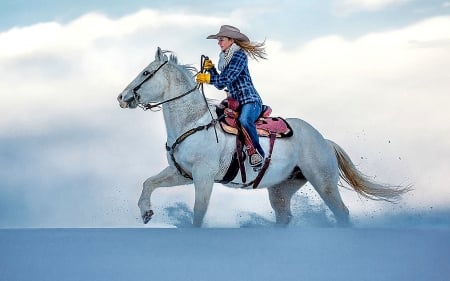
[{"x": 230, "y": 73}]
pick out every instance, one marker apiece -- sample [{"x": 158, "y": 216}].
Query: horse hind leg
[
  {"x": 328, "y": 190},
  {"x": 280, "y": 196}
]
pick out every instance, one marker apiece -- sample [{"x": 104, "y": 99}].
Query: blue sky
[{"x": 371, "y": 75}]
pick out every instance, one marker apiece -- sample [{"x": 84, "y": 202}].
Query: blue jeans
[{"x": 249, "y": 114}]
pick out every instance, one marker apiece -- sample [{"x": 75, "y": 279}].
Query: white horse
[{"x": 199, "y": 152}]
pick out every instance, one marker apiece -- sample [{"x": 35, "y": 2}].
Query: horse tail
[{"x": 361, "y": 183}]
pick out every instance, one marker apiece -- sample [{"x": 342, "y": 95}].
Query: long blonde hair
[{"x": 255, "y": 50}]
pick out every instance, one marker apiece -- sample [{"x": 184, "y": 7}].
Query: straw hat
[{"x": 231, "y": 32}]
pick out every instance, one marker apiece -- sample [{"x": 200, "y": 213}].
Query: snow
[
  {"x": 256, "y": 253},
  {"x": 239, "y": 242}
]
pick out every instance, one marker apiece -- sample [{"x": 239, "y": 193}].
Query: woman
[{"x": 235, "y": 76}]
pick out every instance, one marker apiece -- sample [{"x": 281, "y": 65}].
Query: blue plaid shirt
[{"x": 236, "y": 78}]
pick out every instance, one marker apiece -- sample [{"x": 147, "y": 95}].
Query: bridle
[{"x": 146, "y": 106}]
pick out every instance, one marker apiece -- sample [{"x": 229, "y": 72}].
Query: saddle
[{"x": 265, "y": 125}]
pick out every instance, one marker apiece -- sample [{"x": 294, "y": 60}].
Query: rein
[
  {"x": 150, "y": 105},
  {"x": 151, "y": 74}
]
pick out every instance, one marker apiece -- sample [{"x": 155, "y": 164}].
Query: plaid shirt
[{"x": 236, "y": 78}]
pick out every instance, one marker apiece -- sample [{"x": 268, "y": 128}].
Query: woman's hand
[
  {"x": 208, "y": 64},
  {"x": 203, "y": 78}
]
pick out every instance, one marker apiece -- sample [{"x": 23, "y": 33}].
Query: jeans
[{"x": 249, "y": 114}]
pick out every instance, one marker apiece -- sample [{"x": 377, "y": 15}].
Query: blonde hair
[{"x": 254, "y": 50}]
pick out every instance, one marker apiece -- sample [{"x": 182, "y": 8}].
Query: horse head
[{"x": 149, "y": 86}]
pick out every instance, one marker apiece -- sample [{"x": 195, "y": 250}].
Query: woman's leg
[{"x": 248, "y": 116}]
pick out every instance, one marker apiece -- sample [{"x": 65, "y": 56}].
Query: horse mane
[{"x": 173, "y": 58}]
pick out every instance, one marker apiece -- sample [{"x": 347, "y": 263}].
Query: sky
[{"x": 371, "y": 75}]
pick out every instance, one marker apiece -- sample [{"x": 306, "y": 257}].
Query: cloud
[
  {"x": 382, "y": 96},
  {"x": 345, "y": 7},
  {"x": 52, "y": 69}
]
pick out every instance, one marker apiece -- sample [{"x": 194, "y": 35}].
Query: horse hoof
[{"x": 147, "y": 216}]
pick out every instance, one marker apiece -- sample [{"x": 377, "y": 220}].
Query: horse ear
[{"x": 160, "y": 56}]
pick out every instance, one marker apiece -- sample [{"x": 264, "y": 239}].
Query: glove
[
  {"x": 208, "y": 64},
  {"x": 203, "y": 78}
]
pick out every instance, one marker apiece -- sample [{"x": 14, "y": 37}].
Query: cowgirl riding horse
[{"x": 235, "y": 76}]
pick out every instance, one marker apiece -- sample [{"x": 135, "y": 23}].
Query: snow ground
[
  {"x": 239, "y": 242},
  {"x": 257, "y": 253}
]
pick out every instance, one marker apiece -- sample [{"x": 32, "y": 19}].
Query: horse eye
[{"x": 145, "y": 73}]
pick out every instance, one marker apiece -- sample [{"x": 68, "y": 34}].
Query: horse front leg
[
  {"x": 203, "y": 188},
  {"x": 167, "y": 177}
]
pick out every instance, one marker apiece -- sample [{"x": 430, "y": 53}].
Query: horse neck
[{"x": 186, "y": 112}]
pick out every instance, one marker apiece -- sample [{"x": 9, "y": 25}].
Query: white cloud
[
  {"x": 379, "y": 95},
  {"x": 350, "y": 6},
  {"x": 50, "y": 68}
]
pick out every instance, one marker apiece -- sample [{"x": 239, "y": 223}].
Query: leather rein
[{"x": 146, "y": 106}]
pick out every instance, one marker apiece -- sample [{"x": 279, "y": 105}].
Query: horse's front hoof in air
[{"x": 147, "y": 216}]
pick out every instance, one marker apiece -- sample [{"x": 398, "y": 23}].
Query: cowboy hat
[{"x": 230, "y": 32}]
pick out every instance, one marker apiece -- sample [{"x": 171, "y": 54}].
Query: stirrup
[{"x": 255, "y": 160}]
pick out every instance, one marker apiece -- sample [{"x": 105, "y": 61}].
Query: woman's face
[{"x": 225, "y": 43}]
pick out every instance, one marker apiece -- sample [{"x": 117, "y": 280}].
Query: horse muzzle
[
  {"x": 126, "y": 101},
  {"x": 122, "y": 103}
]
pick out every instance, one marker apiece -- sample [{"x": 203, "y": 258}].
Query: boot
[{"x": 255, "y": 160}]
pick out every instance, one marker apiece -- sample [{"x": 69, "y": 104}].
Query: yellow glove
[
  {"x": 203, "y": 78},
  {"x": 208, "y": 64}
]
